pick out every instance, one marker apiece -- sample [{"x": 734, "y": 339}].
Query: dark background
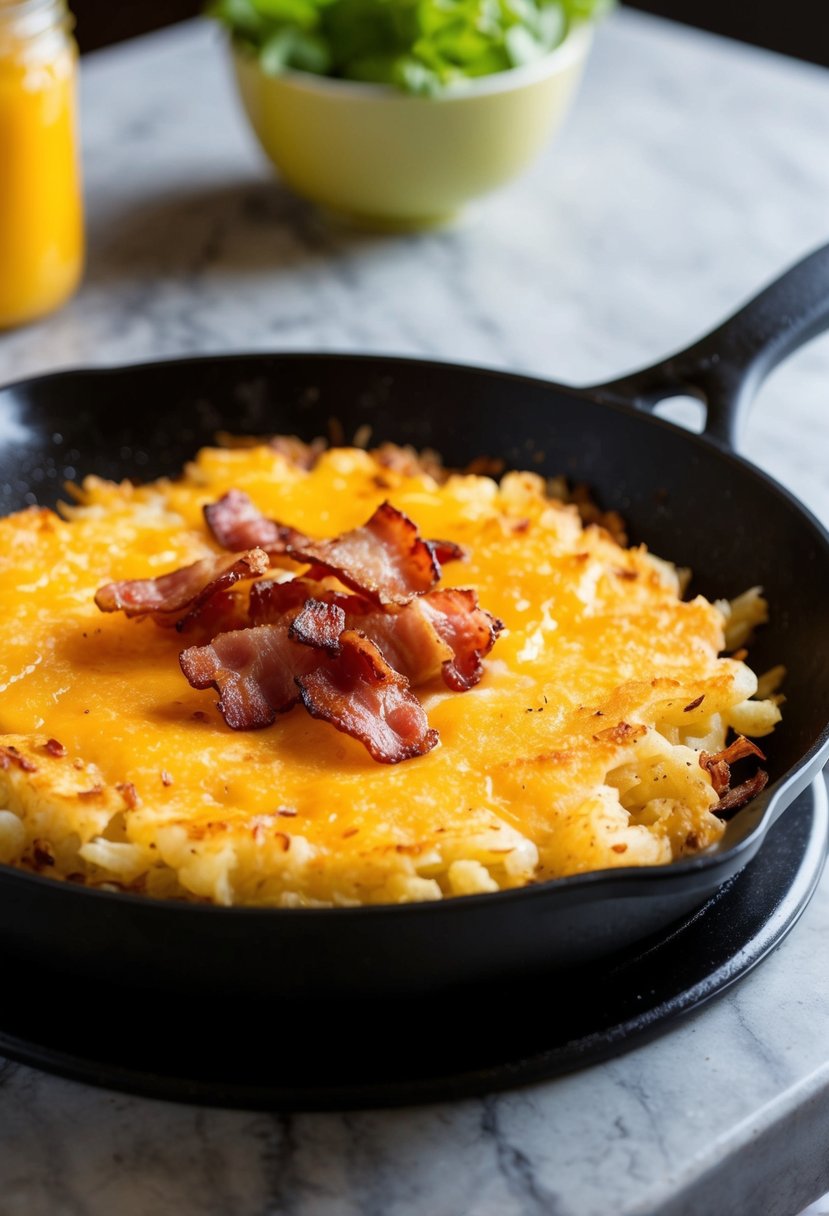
[{"x": 800, "y": 27}]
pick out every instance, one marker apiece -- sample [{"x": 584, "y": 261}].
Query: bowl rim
[{"x": 573, "y": 47}]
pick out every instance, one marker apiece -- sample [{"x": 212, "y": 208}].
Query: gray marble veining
[{"x": 691, "y": 170}]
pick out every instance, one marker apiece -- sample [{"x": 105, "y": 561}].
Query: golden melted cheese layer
[{"x": 534, "y": 776}]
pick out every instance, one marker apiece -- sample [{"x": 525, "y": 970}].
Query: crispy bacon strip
[
  {"x": 385, "y": 559},
  {"x": 270, "y": 601},
  {"x": 447, "y": 551},
  {"x": 406, "y": 636},
  {"x": 361, "y": 695},
  {"x": 340, "y": 675},
  {"x": 351, "y": 658},
  {"x": 718, "y": 763},
  {"x": 737, "y": 750},
  {"x": 444, "y": 632},
  {"x": 253, "y": 672},
  {"x": 220, "y": 614},
  {"x": 407, "y": 639},
  {"x": 172, "y": 597},
  {"x": 441, "y": 633},
  {"x": 741, "y": 794},
  {"x": 468, "y": 630},
  {"x": 236, "y": 523},
  {"x": 320, "y": 625}
]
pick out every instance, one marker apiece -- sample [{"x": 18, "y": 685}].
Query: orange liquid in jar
[{"x": 41, "y": 222}]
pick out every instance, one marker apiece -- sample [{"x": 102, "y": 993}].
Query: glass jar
[{"x": 41, "y": 218}]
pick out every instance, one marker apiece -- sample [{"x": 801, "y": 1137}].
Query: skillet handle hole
[{"x": 688, "y": 412}]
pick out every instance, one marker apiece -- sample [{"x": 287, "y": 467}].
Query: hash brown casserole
[{"x": 595, "y": 737}]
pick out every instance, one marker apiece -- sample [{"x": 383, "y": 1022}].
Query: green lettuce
[{"x": 421, "y": 46}]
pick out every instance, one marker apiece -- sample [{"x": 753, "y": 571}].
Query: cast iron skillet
[{"x": 689, "y": 497}]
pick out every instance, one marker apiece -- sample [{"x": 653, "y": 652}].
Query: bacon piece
[
  {"x": 172, "y": 598},
  {"x": 719, "y": 771},
  {"x": 468, "y": 630},
  {"x": 341, "y": 676},
  {"x": 441, "y": 633},
  {"x": 10, "y": 755},
  {"x": 320, "y": 625},
  {"x": 270, "y": 601},
  {"x": 236, "y": 523},
  {"x": 407, "y": 639},
  {"x": 361, "y": 695},
  {"x": 253, "y": 672},
  {"x": 718, "y": 763},
  {"x": 446, "y": 551},
  {"x": 740, "y": 795},
  {"x": 737, "y": 750},
  {"x": 406, "y": 636},
  {"x": 220, "y": 614},
  {"x": 384, "y": 559}
]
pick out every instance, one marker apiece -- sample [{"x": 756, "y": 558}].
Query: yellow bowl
[{"x": 388, "y": 160}]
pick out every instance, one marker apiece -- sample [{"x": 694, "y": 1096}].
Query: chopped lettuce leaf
[{"x": 421, "y": 46}]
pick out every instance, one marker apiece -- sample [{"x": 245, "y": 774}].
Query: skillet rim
[{"x": 615, "y": 882}]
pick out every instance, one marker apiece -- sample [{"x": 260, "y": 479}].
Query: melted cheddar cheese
[{"x": 577, "y": 750}]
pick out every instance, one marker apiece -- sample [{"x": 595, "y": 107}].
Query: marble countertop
[{"x": 691, "y": 171}]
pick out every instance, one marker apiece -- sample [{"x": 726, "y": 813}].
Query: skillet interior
[{"x": 689, "y": 499}]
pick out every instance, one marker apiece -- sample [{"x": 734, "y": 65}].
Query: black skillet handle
[{"x": 726, "y": 367}]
